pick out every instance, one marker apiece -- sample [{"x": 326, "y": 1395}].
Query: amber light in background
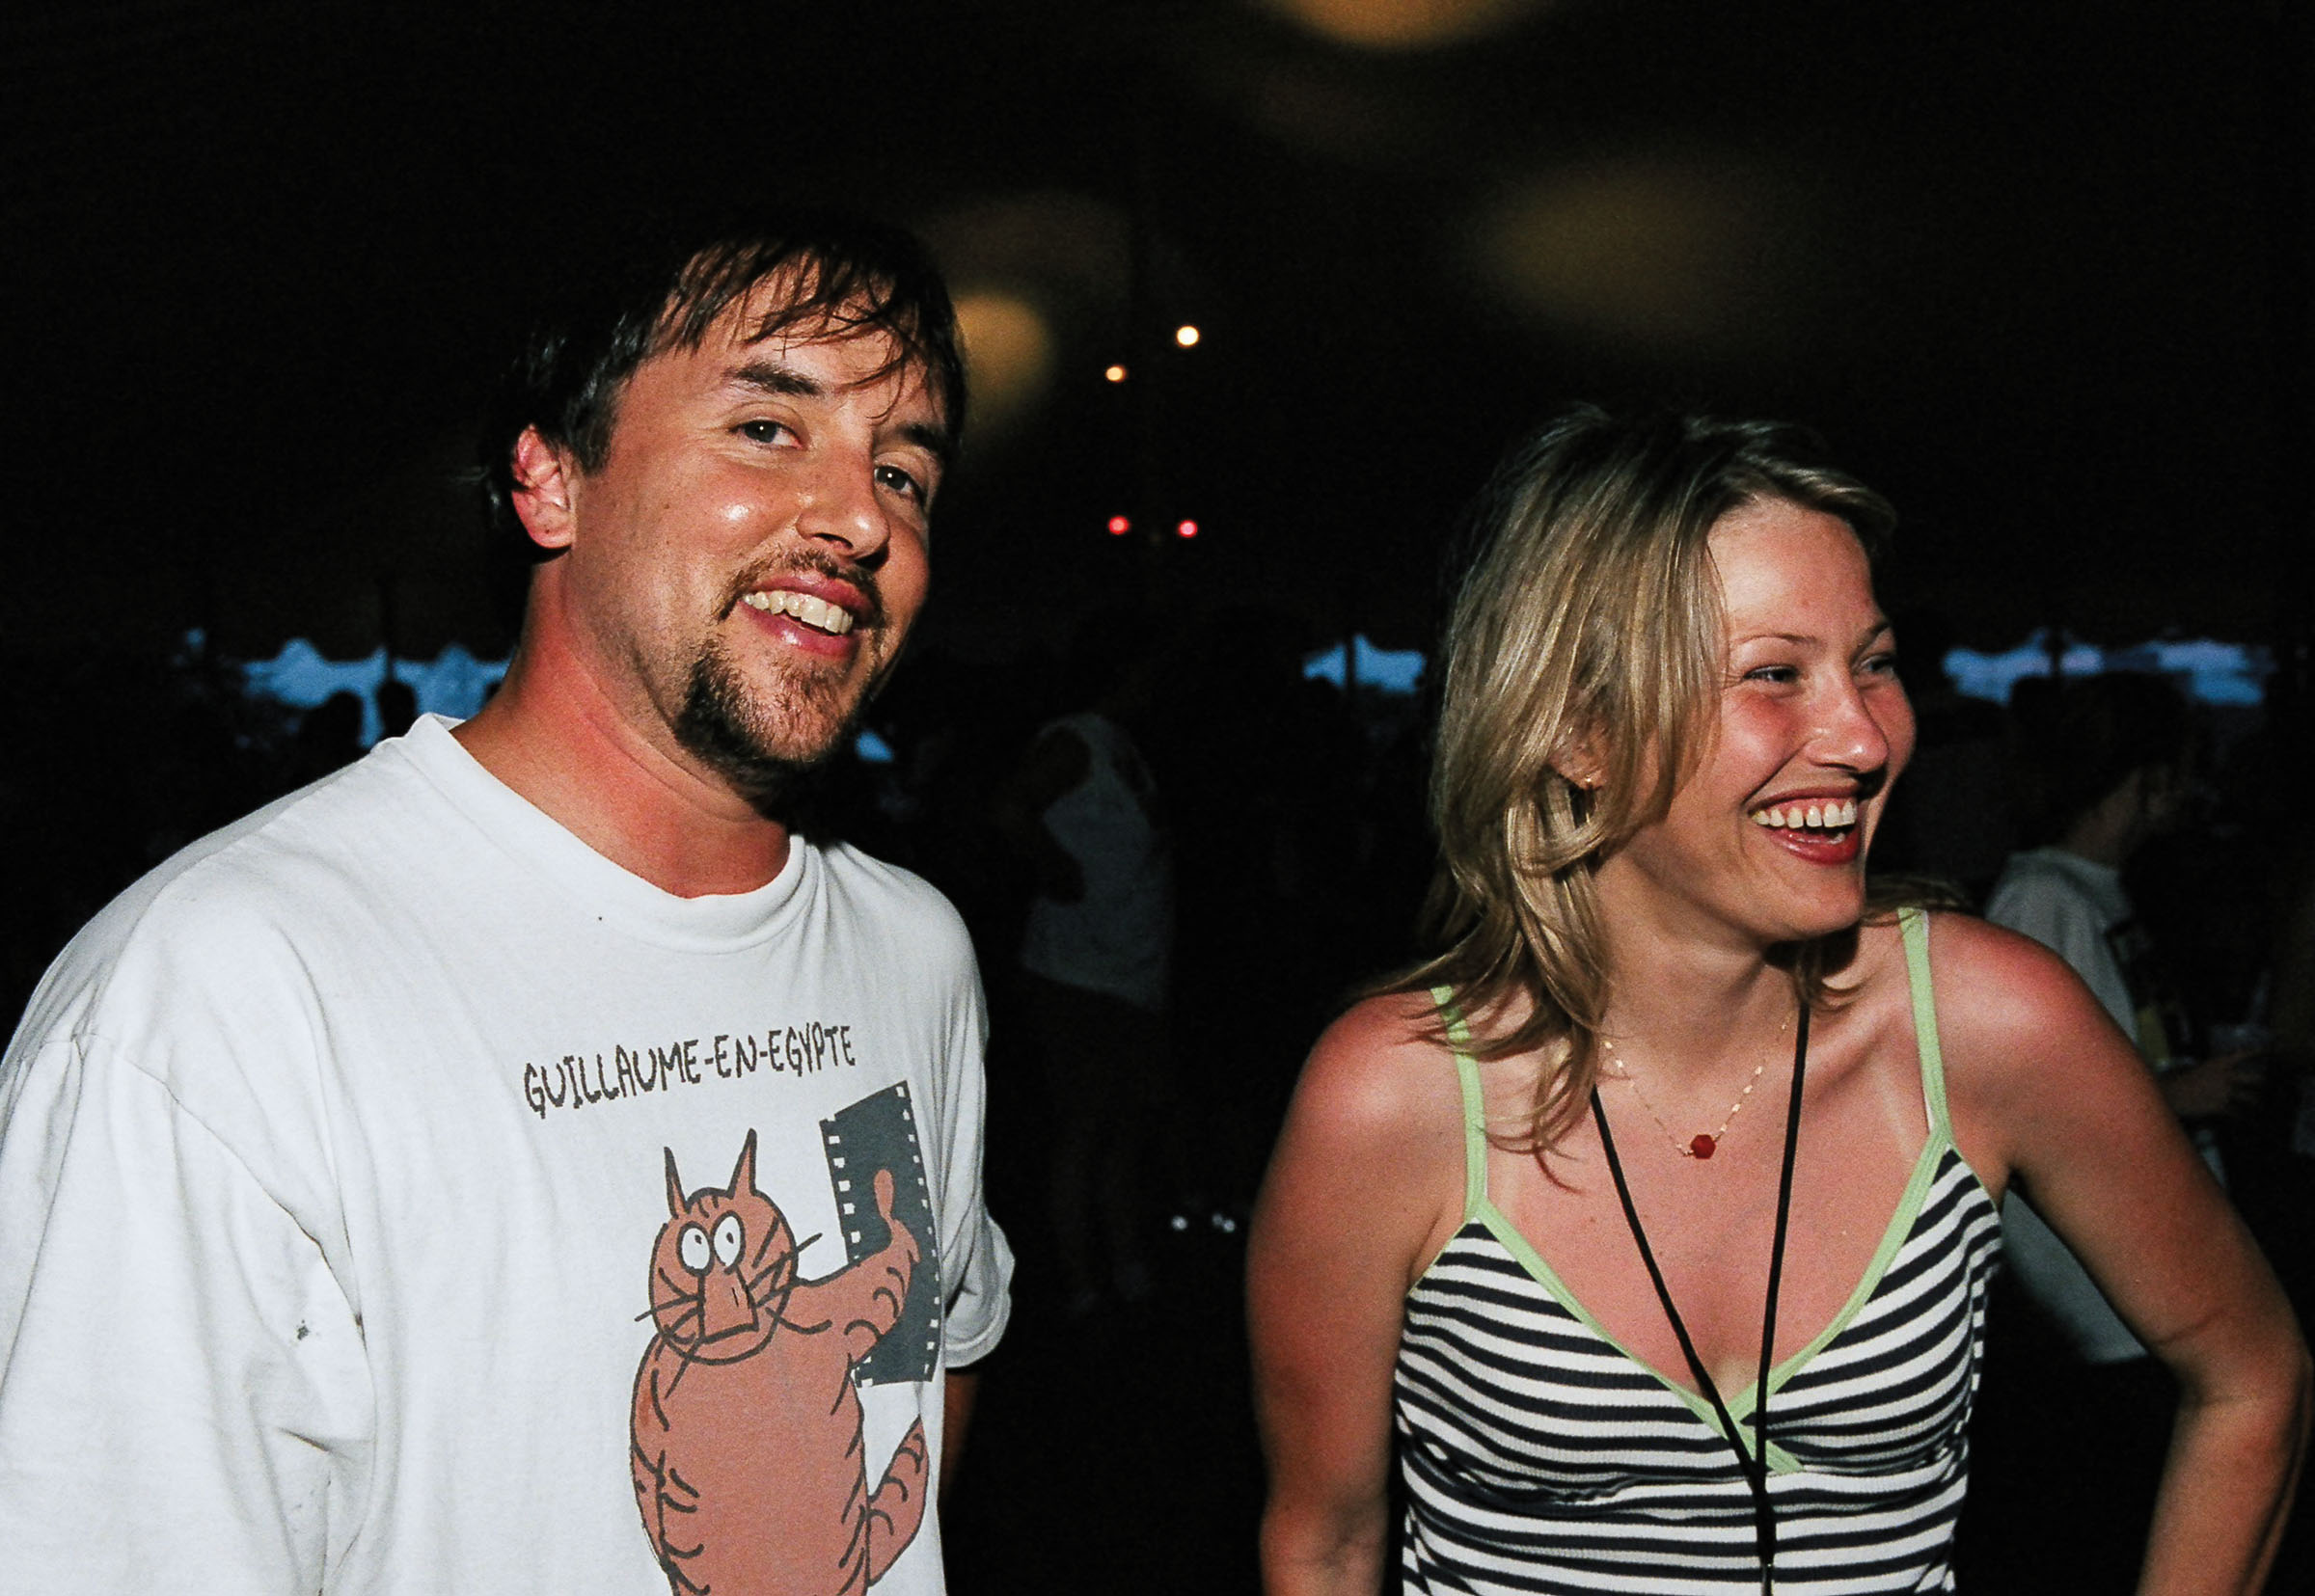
[{"x": 1403, "y": 24}]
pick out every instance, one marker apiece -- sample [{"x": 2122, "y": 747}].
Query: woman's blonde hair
[{"x": 1583, "y": 663}]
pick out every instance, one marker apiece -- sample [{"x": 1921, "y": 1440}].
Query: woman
[{"x": 1673, "y": 1109}]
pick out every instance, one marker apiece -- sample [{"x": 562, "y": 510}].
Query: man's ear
[{"x": 544, "y": 478}]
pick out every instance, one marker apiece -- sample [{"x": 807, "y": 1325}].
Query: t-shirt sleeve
[
  {"x": 182, "y": 1383},
  {"x": 979, "y": 1264}
]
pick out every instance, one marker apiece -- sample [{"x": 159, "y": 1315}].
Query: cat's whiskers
[
  {"x": 773, "y": 1244},
  {"x": 764, "y": 1282}
]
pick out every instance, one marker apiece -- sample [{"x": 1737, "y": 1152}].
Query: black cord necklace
[{"x": 1753, "y": 1464}]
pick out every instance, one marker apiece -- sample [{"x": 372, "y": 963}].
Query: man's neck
[{"x": 556, "y": 738}]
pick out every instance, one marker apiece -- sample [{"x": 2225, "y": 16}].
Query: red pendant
[{"x": 1702, "y": 1146}]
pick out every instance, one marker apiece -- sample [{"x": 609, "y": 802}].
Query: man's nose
[{"x": 842, "y": 508}]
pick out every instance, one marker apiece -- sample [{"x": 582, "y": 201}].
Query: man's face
[{"x": 743, "y": 565}]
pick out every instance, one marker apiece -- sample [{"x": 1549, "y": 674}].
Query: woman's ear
[{"x": 1580, "y": 764}]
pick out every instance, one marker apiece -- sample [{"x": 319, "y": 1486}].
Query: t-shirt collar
[{"x": 596, "y": 883}]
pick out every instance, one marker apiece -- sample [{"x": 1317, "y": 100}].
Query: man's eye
[
  {"x": 900, "y": 481},
  {"x": 764, "y": 432}
]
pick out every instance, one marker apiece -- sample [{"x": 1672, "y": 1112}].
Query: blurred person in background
[
  {"x": 2078, "y": 1414},
  {"x": 2111, "y": 766},
  {"x": 1097, "y": 956}
]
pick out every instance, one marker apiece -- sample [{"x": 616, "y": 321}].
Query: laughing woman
[{"x": 1649, "y": 1223}]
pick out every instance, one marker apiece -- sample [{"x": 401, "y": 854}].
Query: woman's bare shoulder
[
  {"x": 2020, "y": 1032},
  {"x": 1999, "y": 992},
  {"x": 1381, "y": 1069},
  {"x": 1375, "y": 1130}
]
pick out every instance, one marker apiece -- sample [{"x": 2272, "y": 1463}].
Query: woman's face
[{"x": 1765, "y": 841}]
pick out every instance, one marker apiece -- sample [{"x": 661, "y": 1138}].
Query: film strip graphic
[{"x": 879, "y": 1133}]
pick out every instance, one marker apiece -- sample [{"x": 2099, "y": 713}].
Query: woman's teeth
[
  {"x": 1813, "y": 816},
  {"x": 813, "y": 612}
]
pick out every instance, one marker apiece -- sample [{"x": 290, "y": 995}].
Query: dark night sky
[{"x": 2036, "y": 269}]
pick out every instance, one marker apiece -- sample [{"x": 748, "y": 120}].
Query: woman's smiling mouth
[{"x": 1811, "y": 814}]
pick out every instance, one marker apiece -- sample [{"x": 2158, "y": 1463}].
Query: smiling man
[{"x": 521, "y": 1161}]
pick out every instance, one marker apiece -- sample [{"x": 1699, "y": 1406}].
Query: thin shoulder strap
[
  {"x": 1914, "y": 924},
  {"x": 1475, "y": 1111}
]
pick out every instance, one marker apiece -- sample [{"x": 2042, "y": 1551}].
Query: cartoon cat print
[{"x": 747, "y": 1452}]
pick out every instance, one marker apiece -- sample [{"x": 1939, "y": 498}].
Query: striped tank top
[{"x": 1540, "y": 1456}]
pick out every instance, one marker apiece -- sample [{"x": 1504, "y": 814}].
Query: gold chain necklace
[{"x": 1704, "y": 1143}]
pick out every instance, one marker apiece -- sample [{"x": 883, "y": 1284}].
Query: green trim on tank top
[{"x": 1914, "y": 927}]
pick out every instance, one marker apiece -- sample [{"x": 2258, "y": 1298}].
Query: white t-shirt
[
  {"x": 2071, "y": 905},
  {"x": 396, "y": 1195},
  {"x": 1117, "y": 936}
]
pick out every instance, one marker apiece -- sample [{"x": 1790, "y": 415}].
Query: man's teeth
[
  {"x": 1819, "y": 817},
  {"x": 811, "y": 611}
]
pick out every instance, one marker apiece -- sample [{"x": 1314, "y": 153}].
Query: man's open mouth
[{"x": 817, "y": 614}]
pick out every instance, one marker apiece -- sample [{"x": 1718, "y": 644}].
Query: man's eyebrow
[
  {"x": 772, "y": 377},
  {"x": 935, "y": 441}
]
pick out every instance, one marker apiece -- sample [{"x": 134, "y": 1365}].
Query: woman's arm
[
  {"x": 2046, "y": 1086},
  {"x": 1366, "y": 1183}
]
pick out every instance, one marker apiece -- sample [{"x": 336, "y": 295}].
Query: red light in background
[
  {"x": 1119, "y": 525},
  {"x": 1187, "y": 529}
]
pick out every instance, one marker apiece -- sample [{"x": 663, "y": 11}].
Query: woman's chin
[{"x": 1825, "y": 914}]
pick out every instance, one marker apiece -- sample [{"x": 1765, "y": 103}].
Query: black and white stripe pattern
[{"x": 1540, "y": 1456}]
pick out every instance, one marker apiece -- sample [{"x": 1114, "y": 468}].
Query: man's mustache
[{"x": 869, "y": 613}]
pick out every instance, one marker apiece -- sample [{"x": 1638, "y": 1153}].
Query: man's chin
[
  {"x": 763, "y": 770},
  {"x": 767, "y": 758}
]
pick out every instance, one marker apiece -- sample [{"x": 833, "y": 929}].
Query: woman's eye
[
  {"x": 1880, "y": 665},
  {"x": 1780, "y": 674}
]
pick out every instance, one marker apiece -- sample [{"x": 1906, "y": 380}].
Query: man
[
  {"x": 520, "y": 1162},
  {"x": 2076, "y": 1417},
  {"x": 1095, "y": 957}
]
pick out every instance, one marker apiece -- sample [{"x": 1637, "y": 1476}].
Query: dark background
[{"x": 2039, "y": 270}]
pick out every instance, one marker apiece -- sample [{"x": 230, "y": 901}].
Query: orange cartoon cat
[{"x": 747, "y": 1452}]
